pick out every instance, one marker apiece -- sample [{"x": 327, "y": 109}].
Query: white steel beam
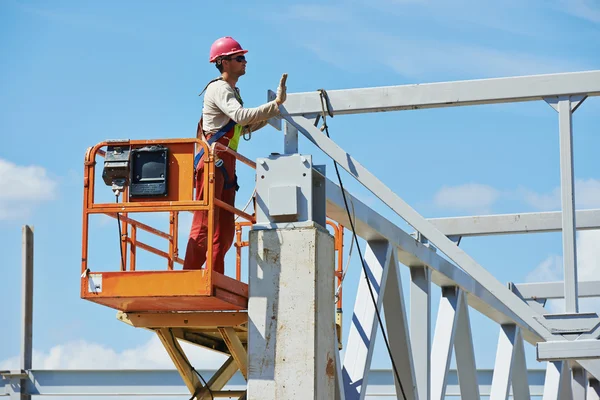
[
  {"x": 446, "y": 94},
  {"x": 465, "y": 354},
  {"x": 361, "y": 338},
  {"x": 593, "y": 390},
  {"x": 504, "y": 362},
  {"x": 555, "y": 290},
  {"x": 519, "y": 376},
  {"x": 510, "y": 366},
  {"x": 397, "y": 332},
  {"x": 290, "y": 139},
  {"x": 557, "y": 385},
  {"x": 568, "y": 350},
  {"x": 443, "y": 340},
  {"x": 148, "y": 383},
  {"x": 505, "y": 224},
  {"x": 579, "y": 383},
  {"x": 567, "y": 185},
  {"x": 420, "y": 327}
]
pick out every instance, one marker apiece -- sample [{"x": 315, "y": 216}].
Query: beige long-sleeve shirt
[{"x": 221, "y": 104}]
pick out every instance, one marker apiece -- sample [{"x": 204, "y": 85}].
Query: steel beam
[
  {"x": 568, "y": 350},
  {"x": 446, "y": 94},
  {"x": 167, "y": 382},
  {"x": 420, "y": 327},
  {"x": 579, "y": 383},
  {"x": 521, "y": 390},
  {"x": 593, "y": 390},
  {"x": 506, "y": 224},
  {"x": 504, "y": 362},
  {"x": 397, "y": 331},
  {"x": 554, "y": 290},
  {"x": 510, "y": 367},
  {"x": 290, "y": 139},
  {"x": 27, "y": 305},
  {"x": 443, "y": 340},
  {"x": 558, "y": 381},
  {"x": 567, "y": 185},
  {"x": 361, "y": 338},
  {"x": 465, "y": 354}
]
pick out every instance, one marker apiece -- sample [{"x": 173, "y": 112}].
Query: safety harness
[
  {"x": 219, "y": 163},
  {"x": 215, "y": 137}
]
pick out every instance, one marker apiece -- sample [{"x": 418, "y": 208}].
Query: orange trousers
[{"x": 224, "y": 223}]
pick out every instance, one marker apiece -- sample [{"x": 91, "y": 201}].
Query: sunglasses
[{"x": 237, "y": 58}]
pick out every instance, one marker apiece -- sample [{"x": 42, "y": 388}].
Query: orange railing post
[
  {"x": 211, "y": 212},
  {"x": 238, "y": 251},
  {"x": 133, "y": 247}
]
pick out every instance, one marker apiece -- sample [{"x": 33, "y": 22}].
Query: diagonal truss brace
[
  {"x": 453, "y": 330},
  {"x": 384, "y": 277},
  {"x": 510, "y": 366},
  {"x": 558, "y": 381}
]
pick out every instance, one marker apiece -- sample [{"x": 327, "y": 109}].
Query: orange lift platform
[{"x": 202, "y": 307}]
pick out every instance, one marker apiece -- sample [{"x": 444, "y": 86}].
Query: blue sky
[{"x": 74, "y": 73}]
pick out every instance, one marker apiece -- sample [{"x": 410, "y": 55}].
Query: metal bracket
[
  {"x": 568, "y": 350},
  {"x": 423, "y": 240},
  {"x": 570, "y": 322},
  {"x": 576, "y": 101}
]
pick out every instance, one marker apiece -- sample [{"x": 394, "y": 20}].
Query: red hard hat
[{"x": 223, "y": 47}]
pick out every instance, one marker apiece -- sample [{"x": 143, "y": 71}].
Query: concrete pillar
[{"x": 291, "y": 333}]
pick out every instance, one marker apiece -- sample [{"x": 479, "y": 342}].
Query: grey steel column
[
  {"x": 567, "y": 190},
  {"x": 290, "y": 139},
  {"x": 27, "y": 306},
  {"x": 420, "y": 327}
]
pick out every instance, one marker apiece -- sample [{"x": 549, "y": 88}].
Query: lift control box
[{"x": 149, "y": 172}]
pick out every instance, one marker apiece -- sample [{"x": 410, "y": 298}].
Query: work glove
[{"x": 281, "y": 91}]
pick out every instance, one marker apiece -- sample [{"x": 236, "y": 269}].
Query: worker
[{"x": 224, "y": 120}]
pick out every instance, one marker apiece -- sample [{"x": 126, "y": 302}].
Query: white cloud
[
  {"x": 85, "y": 355},
  {"x": 542, "y": 201},
  {"x": 472, "y": 197},
  {"x": 587, "y": 195},
  {"x": 22, "y": 188},
  {"x": 588, "y": 268},
  {"x": 549, "y": 270}
]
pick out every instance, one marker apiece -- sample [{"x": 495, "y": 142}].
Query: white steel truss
[{"x": 463, "y": 281}]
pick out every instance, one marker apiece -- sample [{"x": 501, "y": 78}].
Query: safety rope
[{"x": 325, "y": 107}]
